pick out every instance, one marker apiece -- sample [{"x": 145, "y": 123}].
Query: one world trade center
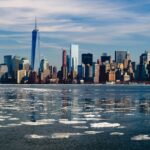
[{"x": 35, "y": 48}]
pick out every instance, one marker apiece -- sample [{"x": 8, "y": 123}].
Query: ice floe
[
  {"x": 140, "y": 137},
  {"x": 80, "y": 127},
  {"x": 13, "y": 119},
  {"x": 39, "y": 122},
  {"x": 66, "y": 121},
  {"x": 35, "y": 136},
  {"x": 104, "y": 125},
  {"x": 93, "y": 132},
  {"x": 117, "y": 133},
  {"x": 64, "y": 135}
]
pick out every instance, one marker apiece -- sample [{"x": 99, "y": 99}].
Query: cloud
[{"x": 99, "y": 22}]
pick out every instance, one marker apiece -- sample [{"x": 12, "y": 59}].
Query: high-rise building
[
  {"x": 87, "y": 59},
  {"x": 21, "y": 74},
  {"x": 74, "y": 56},
  {"x": 35, "y": 46},
  {"x": 64, "y": 58},
  {"x": 16, "y": 66},
  {"x": 44, "y": 65},
  {"x": 120, "y": 56},
  {"x": 24, "y": 64},
  {"x": 105, "y": 58},
  {"x": 96, "y": 73},
  {"x": 3, "y": 72},
  {"x": 145, "y": 58},
  {"x": 8, "y": 62}
]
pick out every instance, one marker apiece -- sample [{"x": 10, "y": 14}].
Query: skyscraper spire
[{"x": 35, "y": 23}]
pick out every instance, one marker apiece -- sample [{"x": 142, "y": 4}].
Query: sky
[{"x": 98, "y": 26}]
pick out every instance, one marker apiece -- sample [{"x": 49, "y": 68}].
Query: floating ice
[
  {"x": 116, "y": 133},
  {"x": 65, "y": 121},
  {"x": 141, "y": 137},
  {"x": 89, "y": 116},
  {"x": 35, "y": 136},
  {"x": 64, "y": 135},
  {"x": 13, "y": 119},
  {"x": 104, "y": 125},
  {"x": 80, "y": 127},
  {"x": 2, "y": 119},
  {"x": 93, "y": 132},
  {"x": 129, "y": 114},
  {"x": 39, "y": 122}
]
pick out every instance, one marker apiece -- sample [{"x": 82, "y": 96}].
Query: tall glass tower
[
  {"x": 35, "y": 48},
  {"x": 74, "y": 56}
]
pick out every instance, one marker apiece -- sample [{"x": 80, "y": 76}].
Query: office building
[
  {"x": 15, "y": 66},
  {"x": 44, "y": 65},
  {"x": 35, "y": 54},
  {"x": 105, "y": 58},
  {"x": 21, "y": 75},
  {"x": 8, "y": 62},
  {"x": 87, "y": 59},
  {"x": 74, "y": 56},
  {"x": 3, "y": 72},
  {"x": 120, "y": 56},
  {"x": 24, "y": 64},
  {"x": 145, "y": 58}
]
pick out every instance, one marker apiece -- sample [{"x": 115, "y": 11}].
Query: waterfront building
[
  {"x": 33, "y": 77},
  {"x": 126, "y": 77},
  {"x": 3, "y": 73},
  {"x": 64, "y": 70},
  {"x": 111, "y": 76},
  {"x": 35, "y": 54},
  {"x": 68, "y": 65},
  {"x": 105, "y": 58},
  {"x": 96, "y": 73},
  {"x": 87, "y": 59},
  {"x": 54, "y": 72},
  {"x": 120, "y": 56},
  {"x": 44, "y": 65},
  {"x": 21, "y": 75},
  {"x": 24, "y": 64},
  {"x": 8, "y": 62},
  {"x": 141, "y": 73},
  {"x": 74, "y": 56},
  {"x": 145, "y": 58},
  {"x": 15, "y": 66}
]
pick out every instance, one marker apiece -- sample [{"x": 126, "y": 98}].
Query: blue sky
[{"x": 96, "y": 25}]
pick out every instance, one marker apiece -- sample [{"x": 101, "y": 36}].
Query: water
[{"x": 86, "y": 117}]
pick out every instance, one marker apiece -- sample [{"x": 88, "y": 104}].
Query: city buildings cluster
[{"x": 105, "y": 70}]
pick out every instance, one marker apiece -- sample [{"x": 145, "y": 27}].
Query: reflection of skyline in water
[{"x": 55, "y": 112}]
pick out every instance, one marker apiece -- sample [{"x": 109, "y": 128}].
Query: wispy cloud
[{"x": 98, "y": 22}]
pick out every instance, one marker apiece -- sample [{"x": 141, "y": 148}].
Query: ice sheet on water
[
  {"x": 117, "y": 133},
  {"x": 13, "y": 119},
  {"x": 39, "y": 122},
  {"x": 140, "y": 137},
  {"x": 66, "y": 121},
  {"x": 40, "y": 90},
  {"x": 104, "y": 125},
  {"x": 80, "y": 127},
  {"x": 93, "y": 132},
  {"x": 64, "y": 135}
]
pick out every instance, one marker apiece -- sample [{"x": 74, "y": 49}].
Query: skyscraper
[
  {"x": 8, "y": 62},
  {"x": 74, "y": 55},
  {"x": 87, "y": 59},
  {"x": 120, "y": 56},
  {"x": 145, "y": 58},
  {"x": 64, "y": 58},
  {"x": 64, "y": 65},
  {"x": 35, "y": 46}
]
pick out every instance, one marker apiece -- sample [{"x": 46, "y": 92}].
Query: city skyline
[{"x": 97, "y": 27}]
